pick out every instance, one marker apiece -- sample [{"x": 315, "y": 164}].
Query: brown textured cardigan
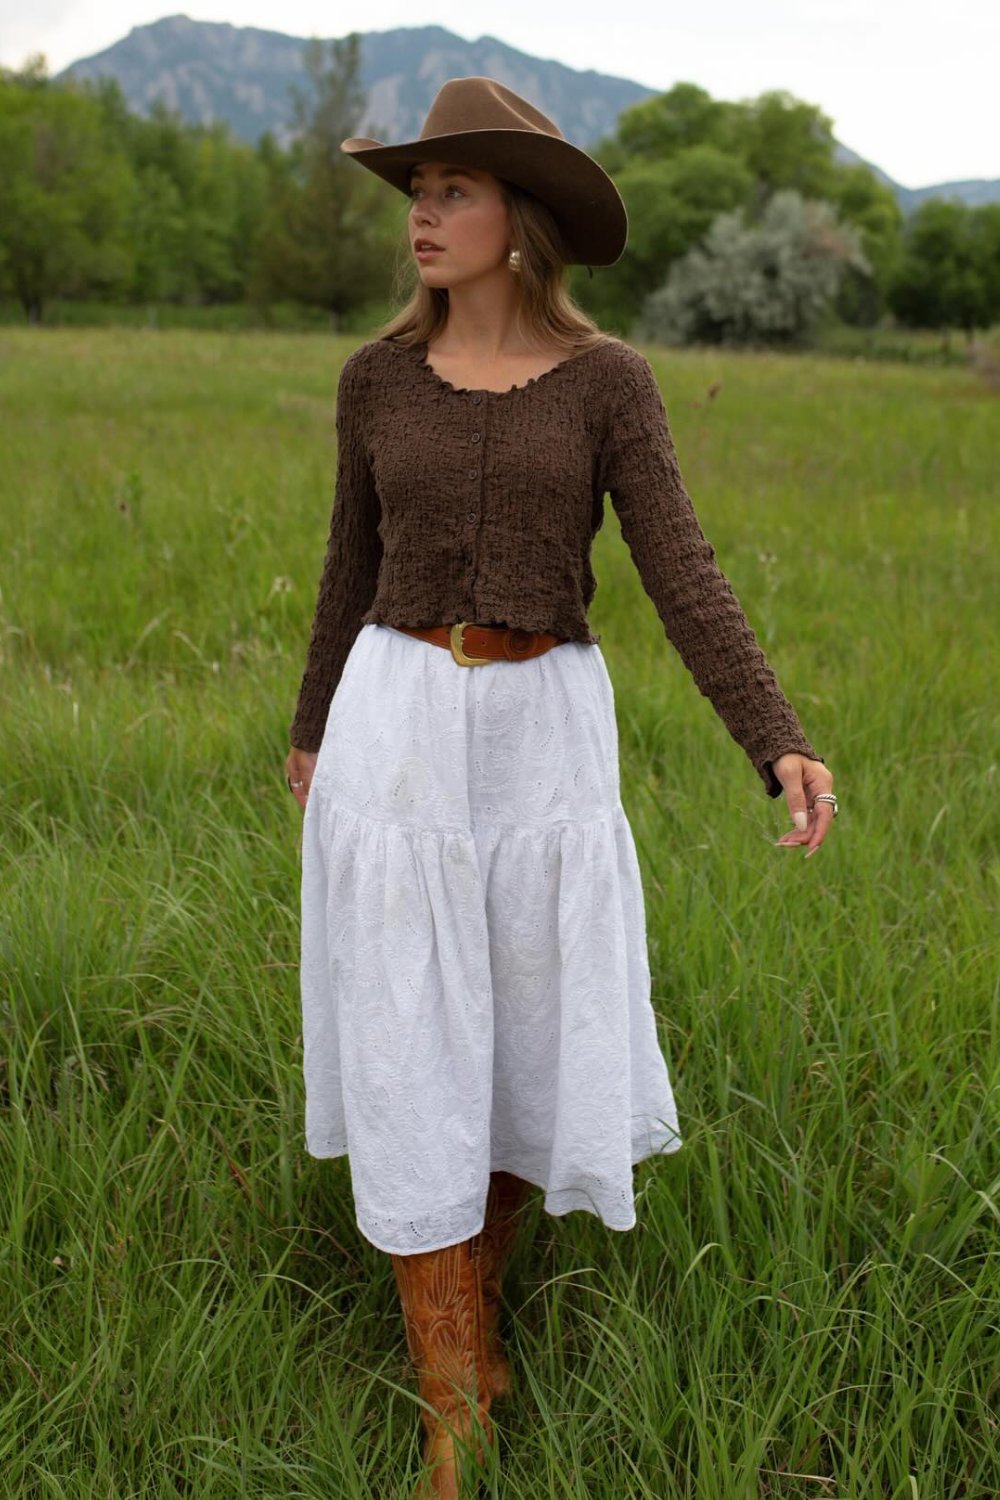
[{"x": 460, "y": 504}]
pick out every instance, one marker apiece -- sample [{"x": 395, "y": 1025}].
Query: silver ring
[{"x": 827, "y": 797}]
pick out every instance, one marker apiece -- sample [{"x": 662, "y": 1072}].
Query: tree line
[{"x": 743, "y": 225}]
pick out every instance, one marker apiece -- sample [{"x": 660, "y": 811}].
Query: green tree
[
  {"x": 159, "y": 234},
  {"x": 985, "y": 236},
  {"x": 323, "y": 239},
  {"x": 667, "y": 124},
  {"x": 64, "y": 185},
  {"x": 197, "y": 203},
  {"x": 223, "y": 212},
  {"x": 164, "y": 206},
  {"x": 33, "y": 75},
  {"x": 948, "y": 276},
  {"x": 873, "y": 208},
  {"x": 671, "y": 205},
  {"x": 786, "y": 143},
  {"x": 682, "y": 158}
]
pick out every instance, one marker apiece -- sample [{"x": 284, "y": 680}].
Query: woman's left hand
[{"x": 802, "y": 778}]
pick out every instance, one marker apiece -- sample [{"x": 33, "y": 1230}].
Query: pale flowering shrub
[{"x": 762, "y": 283}]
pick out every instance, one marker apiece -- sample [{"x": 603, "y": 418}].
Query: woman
[{"x": 475, "y": 983}]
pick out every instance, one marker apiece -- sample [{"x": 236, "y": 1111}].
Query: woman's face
[{"x": 460, "y": 209}]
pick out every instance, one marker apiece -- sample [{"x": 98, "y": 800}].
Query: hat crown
[
  {"x": 480, "y": 122},
  {"x": 483, "y": 104}
]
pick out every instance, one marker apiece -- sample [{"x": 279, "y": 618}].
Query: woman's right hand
[{"x": 299, "y": 768}]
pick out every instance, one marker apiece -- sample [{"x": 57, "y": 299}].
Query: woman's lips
[{"x": 426, "y": 254}]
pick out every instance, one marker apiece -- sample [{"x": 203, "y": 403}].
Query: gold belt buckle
[{"x": 457, "y": 651}]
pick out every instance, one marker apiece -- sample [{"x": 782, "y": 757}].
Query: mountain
[
  {"x": 208, "y": 70},
  {"x": 974, "y": 191}
]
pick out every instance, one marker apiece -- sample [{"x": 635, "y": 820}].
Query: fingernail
[{"x": 801, "y": 820}]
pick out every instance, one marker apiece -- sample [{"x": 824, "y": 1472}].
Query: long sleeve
[
  {"x": 350, "y": 568},
  {"x": 677, "y": 565}
]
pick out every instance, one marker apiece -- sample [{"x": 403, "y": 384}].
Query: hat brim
[{"x": 585, "y": 202}]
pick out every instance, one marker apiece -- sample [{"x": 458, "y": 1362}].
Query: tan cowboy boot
[
  {"x": 442, "y": 1300},
  {"x": 504, "y": 1205}
]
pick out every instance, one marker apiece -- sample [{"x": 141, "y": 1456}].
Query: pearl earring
[{"x": 514, "y": 260}]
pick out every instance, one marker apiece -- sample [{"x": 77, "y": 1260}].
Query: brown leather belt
[{"x": 472, "y": 645}]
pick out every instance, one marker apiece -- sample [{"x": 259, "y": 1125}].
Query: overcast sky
[{"x": 910, "y": 85}]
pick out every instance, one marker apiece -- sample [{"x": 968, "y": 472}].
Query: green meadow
[{"x": 809, "y": 1305}]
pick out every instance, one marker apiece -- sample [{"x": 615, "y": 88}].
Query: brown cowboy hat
[{"x": 478, "y": 122}]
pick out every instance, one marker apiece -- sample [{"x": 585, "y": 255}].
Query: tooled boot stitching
[{"x": 441, "y": 1297}]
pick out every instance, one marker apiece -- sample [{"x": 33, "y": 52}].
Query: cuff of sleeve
[{"x": 304, "y": 741}]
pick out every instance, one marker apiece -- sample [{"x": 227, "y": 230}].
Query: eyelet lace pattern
[{"x": 475, "y": 978}]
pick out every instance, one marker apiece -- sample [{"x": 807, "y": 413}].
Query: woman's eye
[{"x": 452, "y": 187}]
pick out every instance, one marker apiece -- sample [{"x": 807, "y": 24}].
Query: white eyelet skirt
[{"x": 474, "y": 970}]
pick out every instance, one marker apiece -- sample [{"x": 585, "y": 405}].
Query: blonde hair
[{"x": 547, "y": 314}]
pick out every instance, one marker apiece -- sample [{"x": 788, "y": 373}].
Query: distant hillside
[
  {"x": 974, "y": 191},
  {"x": 208, "y": 70}
]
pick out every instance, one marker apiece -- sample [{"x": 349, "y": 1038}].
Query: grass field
[{"x": 810, "y": 1303}]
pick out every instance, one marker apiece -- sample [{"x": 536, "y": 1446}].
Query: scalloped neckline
[{"x": 419, "y": 351}]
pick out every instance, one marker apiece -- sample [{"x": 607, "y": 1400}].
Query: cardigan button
[
  {"x": 476, "y": 436},
  {"x": 476, "y": 400}
]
